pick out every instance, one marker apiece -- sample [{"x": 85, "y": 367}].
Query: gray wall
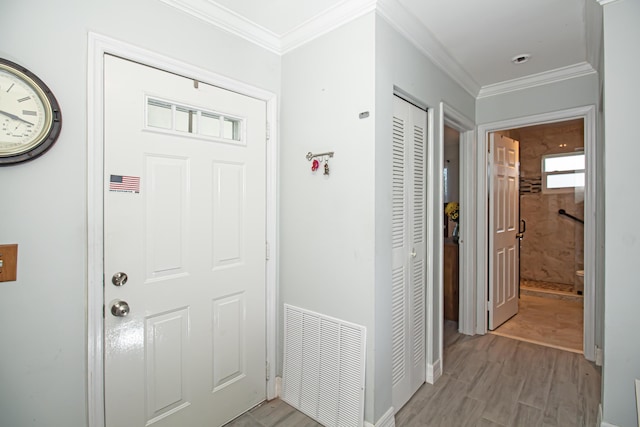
[
  {"x": 43, "y": 209},
  {"x": 335, "y": 247},
  {"x": 622, "y": 241},
  {"x": 327, "y": 222},
  {"x": 400, "y": 65}
]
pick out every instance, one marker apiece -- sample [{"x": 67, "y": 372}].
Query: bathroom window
[{"x": 562, "y": 173}]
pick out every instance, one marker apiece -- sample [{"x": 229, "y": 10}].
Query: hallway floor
[
  {"x": 552, "y": 322},
  {"x": 488, "y": 380}
]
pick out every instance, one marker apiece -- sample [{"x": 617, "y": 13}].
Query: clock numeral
[
  {"x": 26, "y": 98},
  {"x": 29, "y": 112},
  {"x": 11, "y": 87}
]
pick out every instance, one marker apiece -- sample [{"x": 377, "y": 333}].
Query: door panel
[
  {"x": 190, "y": 236},
  {"x": 408, "y": 251},
  {"x": 504, "y": 244}
]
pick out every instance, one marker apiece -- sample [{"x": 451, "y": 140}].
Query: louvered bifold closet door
[{"x": 409, "y": 250}]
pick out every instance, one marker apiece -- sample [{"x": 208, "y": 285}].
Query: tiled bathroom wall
[{"x": 553, "y": 247}]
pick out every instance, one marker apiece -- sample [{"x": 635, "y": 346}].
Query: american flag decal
[{"x": 124, "y": 183}]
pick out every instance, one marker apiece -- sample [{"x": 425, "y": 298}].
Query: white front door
[
  {"x": 504, "y": 215},
  {"x": 408, "y": 251},
  {"x": 184, "y": 219}
]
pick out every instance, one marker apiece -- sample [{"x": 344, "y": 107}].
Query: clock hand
[{"x": 14, "y": 117}]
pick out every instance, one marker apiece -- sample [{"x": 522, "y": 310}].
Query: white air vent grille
[{"x": 324, "y": 361}]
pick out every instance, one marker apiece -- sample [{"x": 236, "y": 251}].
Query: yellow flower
[{"x": 452, "y": 210}]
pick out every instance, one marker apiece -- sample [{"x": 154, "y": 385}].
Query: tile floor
[{"x": 487, "y": 380}]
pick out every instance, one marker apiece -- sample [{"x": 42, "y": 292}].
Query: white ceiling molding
[
  {"x": 229, "y": 21},
  {"x": 603, "y": 2},
  {"x": 394, "y": 13},
  {"x": 404, "y": 22},
  {"x": 414, "y": 31},
  {"x": 547, "y": 77},
  {"x": 325, "y": 22}
]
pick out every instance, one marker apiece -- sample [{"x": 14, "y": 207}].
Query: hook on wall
[
  {"x": 316, "y": 164},
  {"x": 311, "y": 156}
]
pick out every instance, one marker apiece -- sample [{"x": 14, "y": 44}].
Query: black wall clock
[{"x": 30, "y": 118}]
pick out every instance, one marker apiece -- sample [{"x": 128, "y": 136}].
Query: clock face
[{"x": 29, "y": 115}]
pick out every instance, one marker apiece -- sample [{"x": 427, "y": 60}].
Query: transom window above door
[{"x": 167, "y": 116}]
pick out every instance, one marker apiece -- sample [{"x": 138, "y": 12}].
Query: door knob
[
  {"x": 120, "y": 309},
  {"x": 119, "y": 279}
]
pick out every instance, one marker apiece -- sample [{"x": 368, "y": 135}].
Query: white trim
[
  {"x": 342, "y": 13},
  {"x": 434, "y": 371},
  {"x": 591, "y": 263},
  {"x": 539, "y": 79},
  {"x": 603, "y": 2},
  {"x": 98, "y": 46},
  {"x": 394, "y": 13},
  {"x": 434, "y": 316},
  {"x": 386, "y": 420},
  {"x": 601, "y": 423},
  {"x": 229, "y": 21},
  {"x": 638, "y": 400},
  {"x": 467, "y": 247},
  {"x": 234, "y": 23},
  {"x": 324, "y": 22},
  {"x": 419, "y": 35}
]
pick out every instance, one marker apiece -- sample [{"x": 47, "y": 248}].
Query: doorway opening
[
  {"x": 451, "y": 198},
  {"x": 551, "y": 200}
]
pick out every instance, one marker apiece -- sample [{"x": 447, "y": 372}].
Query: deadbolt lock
[{"x": 119, "y": 279}]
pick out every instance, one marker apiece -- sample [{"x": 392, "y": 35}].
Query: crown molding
[
  {"x": 415, "y": 32},
  {"x": 325, "y": 22},
  {"x": 603, "y": 2},
  {"x": 229, "y": 21},
  {"x": 391, "y": 10},
  {"x": 533, "y": 80}
]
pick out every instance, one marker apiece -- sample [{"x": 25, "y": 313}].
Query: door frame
[
  {"x": 592, "y": 267},
  {"x": 466, "y": 249},
  {"x": 98, "y": 46}
]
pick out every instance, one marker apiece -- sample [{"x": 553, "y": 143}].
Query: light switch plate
[{"x": 8, "y": 263}]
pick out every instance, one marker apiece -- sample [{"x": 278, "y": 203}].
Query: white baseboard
[
  {"x": 600, "y": 422},
  {"x": 599, "y": 356},
  {"x": 434, "y": 371},
  {"x": 278, "y": 387},
  {"x": 387, "y": 420}
]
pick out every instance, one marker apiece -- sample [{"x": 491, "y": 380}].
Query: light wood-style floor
[
  {"x": 488, "y": 380},
  {"x": 552, "y": 322}
]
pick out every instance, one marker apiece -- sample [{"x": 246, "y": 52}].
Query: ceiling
[{"x": 475, "y": 39}]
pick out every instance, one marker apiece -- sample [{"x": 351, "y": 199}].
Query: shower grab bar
[{"x": 563, "y": 212}]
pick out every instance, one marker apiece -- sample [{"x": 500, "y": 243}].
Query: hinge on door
[
  {"x": 267, "y": 251},
  {"x": 268, "y": 131},
  {"x": 266, "y": 369}
]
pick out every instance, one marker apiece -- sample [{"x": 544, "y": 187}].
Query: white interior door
[
  {"x": 184, "y": 218},
  {"x": 504, "y": 217},
  {"x": 409, "y": 251}
]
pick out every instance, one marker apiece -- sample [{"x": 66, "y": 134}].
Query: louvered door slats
[{"x": 408, "y": 251}]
